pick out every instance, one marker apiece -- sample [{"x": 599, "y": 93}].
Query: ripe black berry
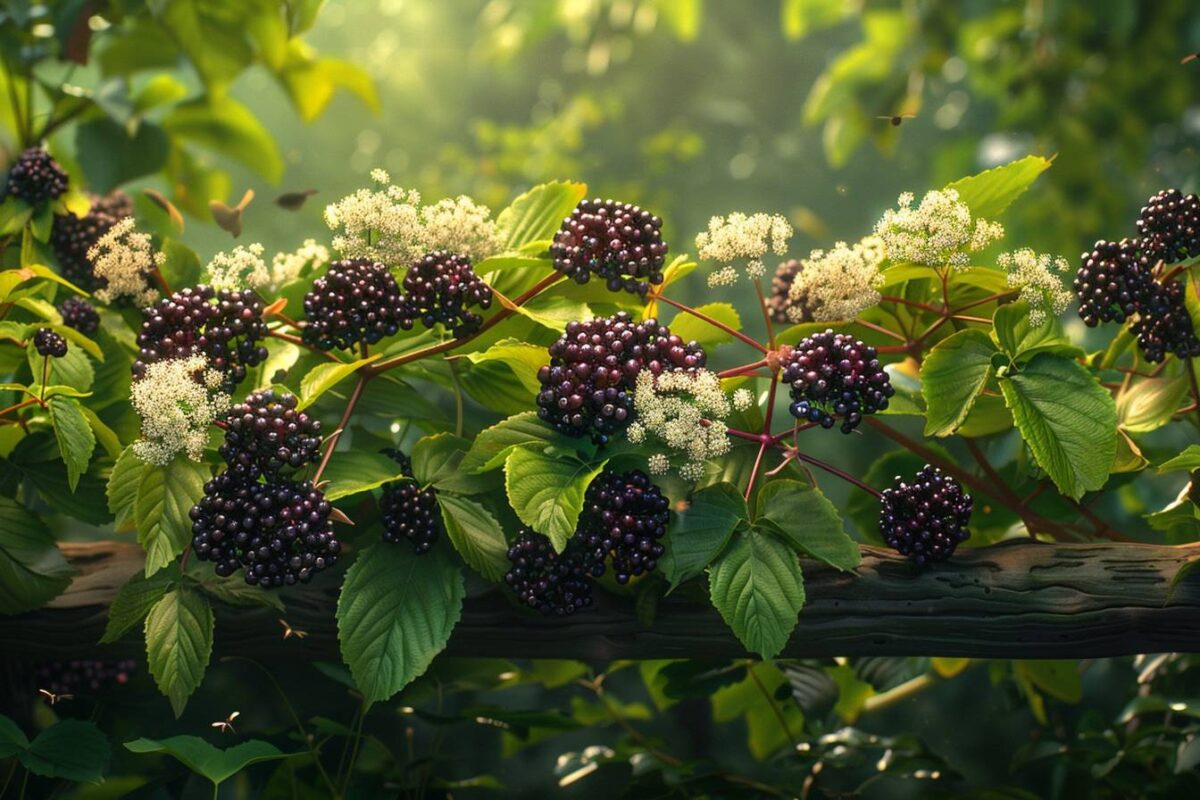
[
  {"x": 72, "y": 237},
  {"x": 836, "y": 376},
  {"x": 553, "y": 583},
  {"x": 36, "y": 177},
  {"x": 781, "y": 286},
  {"x": 409, "y": 513},
  {"x": 440, "y": 287},
  {"x": 1163, "y": 324},
  {"x": 80, "y": 315},
  {"x": 1169, "y": 224},
  {"x": 266, "y": 435},
  {"x": 279, "y": 532},
  {"x": 624, "y": 516},
  {"x": 593, "y": 366},
  {"x": 354, "y": 301},
  {"x": 228, "y": 332},
  {"x": 618, "y": 242},
  {"x": 82, "y": 676},
  {"x": 1112, "y": 281},
  {"x": 926, "y": 519},
  {"x": 48, "y": 343}
]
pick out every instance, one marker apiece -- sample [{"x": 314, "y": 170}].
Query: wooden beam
[{"x": 1017, "y": 599}]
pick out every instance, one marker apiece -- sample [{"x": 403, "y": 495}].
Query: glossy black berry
[
  {"x": 1169, "y": 224},
  {"x": 552, "y": 583},
  {"x": 927, "y": 518},
  {"x": 442, "y": 287},
  {"x": 624, "y": 519},
  {"x": 1112, "y": 281},
  {"x": 279, "y": 533},
  {"x": 354, "y": 301},
  {"x": 410, "y": 514},
  {"x": 835, "y": 376},
  {"x": 226, "y": 327},
  {"x": 587, "y": 386},
  {"x": 267, "y": 435},
  {"x": 80, "y": 677},
  {"x": 36, "y": 177},
  {"x": 1163, "y": 324},
  {"x": 72, "y": 237},
  {"x": 781, "y": 287},
  {"x": 80, "y": 315},
  {"x": 48, "y": 343},
  {"x": 617, "y": 242}
]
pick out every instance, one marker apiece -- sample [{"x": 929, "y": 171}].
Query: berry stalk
[
  {"x": 721, "y": 326},
  {"x": 355, "y": 396}
]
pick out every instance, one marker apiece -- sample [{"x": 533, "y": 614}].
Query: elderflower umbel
[
  {"x": 243, "y": 268},
  {"x": 686, "y": 411},
  {"x": 122, "y": 258},
  {"x": 938, "y": 232},
  {"x": 461, "y": 226},
  {"x": 739, "y": 237},
  {"x": 286, "y": 267},
  {"x": 177, "y": 401},
  {"x": 838, "y": 284},
  {"x": 743, "y": 399},
  {"x": 1041, "y": 288},
  {"x": 381, "y": 224}
]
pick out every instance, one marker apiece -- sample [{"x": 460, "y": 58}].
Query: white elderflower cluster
[
  {"x": 938, "y": 232},
  {"x": 743, "y": 399},
  {"x": 177, "y": 401},
  {"x": 742, "y": 238},
  {"x": 122, "y": 258},
  {"x": 838, "y": 284},
  {"x": 286, "y": 267},
  {"x": 243, "y": 268},
  {"x": 381, "y": 224},
  {"x": 461, "y": 226},
  {"x": 1037, "y": 276},
  {"x": 686, "y": 411}
]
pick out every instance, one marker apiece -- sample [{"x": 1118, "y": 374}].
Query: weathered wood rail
[{"x": 1018, "y": 599}]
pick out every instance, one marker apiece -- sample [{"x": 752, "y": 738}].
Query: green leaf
[
  {"x": 493, "y": 445},
  {"x": 324, "y": 377},
  {"x": 990, "y": 192},
  {"x": 12, "y": 739},
  {"x": 522, "y": 358},
  {"x": 689, "y": 327},
  {"x": 700, "y": 532},
  {"x": 106, "y": 436},
  {"x": 1188, "y": 460},
  {"x": 952, "y": 377},
  {"x": 225, "y": 126},
  {"x": 852, "y": 692},
  {"x": 533, "y": 218},
  {"x": 123, "y": 484},
  {"x": 395, "y": 613},
  {"x": 73, "y": 370},
  {"x": 179, "y": 638},
  {"x": 70, "y": 749},
  {"x": 1021, "y": 340},
  {"x": 1068, "y": 420},
  {"x": 476, "y": 535},
  {"x": 75, "y": 438},
  {"x": 357, "y": 471},
  {"x": 234, "y": 591},
  {"x": 547, "y": 493},
  {"x": 32, "y": 570},
  {"x": 165, "y": 498},
  {"x": 1149, "y": 403},
  {"x": 799, "y": 18},
  {"x": 111, "y": 156},
  {"x": 757, "y": 587},
  {"x": 1059, "y": 679},
  {"x": 809, "y": 521},
  {"x": 212, "y": 762},
  {"x": 133, "y": 602},
  {"x": 436, "y": 460}
]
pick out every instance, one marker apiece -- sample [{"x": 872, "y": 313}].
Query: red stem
[
  {"x": 887, "y": 298},
  {"x": 880, "y": 329},
  {"x": 832, "y": 470},
  {"x": 331, "y": 445},
  {"x": 715, "y": 323}
]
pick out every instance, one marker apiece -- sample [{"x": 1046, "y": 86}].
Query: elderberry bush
[
  {"x": 410, "y": 513},
  {"x": 1169, "y": 224},
  {"x": 80, "y": 315},
  {"x": 925, "y": 518},
  {"x": 619, "y": 243},
  {"x": 443, "y": 287},
  {"x": 267, "y": 435},
  {"x": 36, "y": 177},
  {"x": 552, "y": 583},
  {"x": 835, "y": 376},
  {"x": 624, "y": 518},
  {"x": 355, "y": 301},
  {"x": 49, "y": 344}
]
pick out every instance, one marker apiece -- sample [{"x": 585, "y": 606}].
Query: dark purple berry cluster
[
  {"x": 624, "y": 517},
  {"x": 1112, "y": 281},
  {"x": 586, "y": 387},
  {"x": 927, "y": 518},
  {"x": 835, "y": 376},
  {"x": 1163, "y": 324},
  {"x": 552, "y": 583},
  {"x": 36, "y": 177},
  {"x": 82, "y": 676},
  {"x": 72, "y": 236},
  {"x": 80, "y": 315},
  {"x": 228, "y": 332},
  {"x": 617, "y": 242},
  {"x": 409, "y": 513},
  {"x": 441, "y": 287},
  {"x": 355, "y": 301},
  {"x": 266, "y": 435},
  {"x": 280, "y": 533},
  {"x": 1169, "y": 224},
  {"x": 49, "y": 344},
  {"x": 781, "y": 287}
]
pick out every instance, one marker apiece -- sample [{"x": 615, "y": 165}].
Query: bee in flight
[
  {"x": 53, "y": 698},
  {"x": 226, "y": 725},
  {"x": 289, "y": 631},
  {"x": 896, "y": 119}
]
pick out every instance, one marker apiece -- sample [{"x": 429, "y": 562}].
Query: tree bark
[{"x": 1017, "y": 599}]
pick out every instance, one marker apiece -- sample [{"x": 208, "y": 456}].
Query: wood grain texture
[{"x": 1018, "y": 599}]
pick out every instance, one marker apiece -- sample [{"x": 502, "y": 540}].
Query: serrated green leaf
[
  {"x": 809, "y": 521},
  {"x": 691, "y": 328},
  {"x": 74, "y": 435},
  {"x": 700, "y": 532},
  {"x": 757, "y": 587},
  {"x": 106, "y": 437},
  {"x": 395, "y": 613},
  {"x": 475, "y": 534},
  {"x": 123, "y": 482},
  {"x": 1147, "y": 404},
  {"x": 73, "y": 370},
  {"x": 1021, "y": 340},
  {"x": 222, "y": 124},
  {"x": 179, "y": 638},
  {"x": 234, "y": 591},
  {"x": 1188, "y": 460},
  {"x": 355, "y": 471},
  {"x": 989, "y": 193},
  {"x": 324, "y": 377},
  {"x": 210, "y": 762},
  {"x": 165, "y": 498},
  {"x": 133, "y": 602},
  {"x": 522, "y": 358},
  {"x": 32, "y": 570},
  {"x": 70, "y": 749},
  {"x": 436, "y": 461},
  {"x": 952, "y": 377},
  {"x": 535, "y": 215},
  {"x": 547, "y": 493},
  {"x": 492, "y": 446}
]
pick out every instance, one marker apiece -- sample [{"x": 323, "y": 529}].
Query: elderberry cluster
[
  {"x": 36, "y": 177},
  {"x": 552, "y": 583},
  {"x": 82, "y": 676},
  {"x": 228, "y": 332},
  {"x": 267, "y": 435},
  {"x": 355, "y": 301},
  {"x": 49, "y": 344},
  {"x": 441, "y": 287},
  {"x": 1169, "y": 224},
  {"x": 586, "y": 387},
  {"x": 72, "y": 237},
  {"x": 409, "y": 513},
  {"x": 833, "y": 375},
  {"x": 1113, "y": 281},
  {"x": 280, "y": 532},
  {"x": 624, "y": 516},
  {"x": 80, "y": 315},
  {"x": 781, "y": 286},
  {"x": 617, "y": 242},
  {"x": 927, "y": 518}
]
